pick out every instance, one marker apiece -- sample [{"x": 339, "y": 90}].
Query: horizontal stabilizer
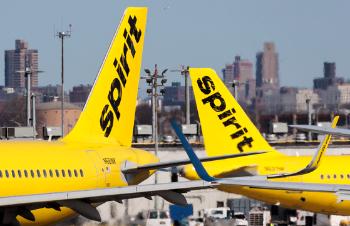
[
  {"x": 322, "y": 130},
  {"x": 162, "y": 165}
]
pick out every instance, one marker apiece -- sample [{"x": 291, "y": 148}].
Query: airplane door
[
  {"x": 99, "y": 167},
  {"x": 108, "y": 175}
]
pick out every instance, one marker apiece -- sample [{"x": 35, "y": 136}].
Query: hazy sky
[{"x": 196, "y": 33}]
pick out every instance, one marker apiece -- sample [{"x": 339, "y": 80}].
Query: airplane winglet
[
  {"x": 316, "y": 159},
  {"x": 323, "y": 146},
  {"x": 202, "y": 173}
]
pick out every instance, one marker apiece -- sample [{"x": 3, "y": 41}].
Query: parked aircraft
[
  {"x": 44, "y": 182},
  {"x": 272, "y": 177}
]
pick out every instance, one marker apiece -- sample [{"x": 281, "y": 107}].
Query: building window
[{"x": 219, "y": 204}]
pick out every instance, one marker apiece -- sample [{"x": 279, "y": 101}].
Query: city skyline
[{"x": 205, "y": 35}]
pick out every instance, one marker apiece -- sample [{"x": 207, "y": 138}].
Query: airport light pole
[
  {"x": 185, "y": 72},
  {"x": 62, "y": 35},
  {"x": 152, "y": 81},
  {"x": 308, "y": 107},
  {"x": 28, "y": 75},
  {"x": 33, "y": 115},
  {"x": 30, "y": 113}
]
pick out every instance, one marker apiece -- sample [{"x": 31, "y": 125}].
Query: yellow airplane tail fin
[
  {"x": 109, "y": 112},
  {"x": 225, "y": 126}
]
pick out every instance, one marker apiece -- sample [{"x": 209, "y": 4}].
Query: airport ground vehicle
[
  {"x": 158, "y": 218},
  {"x": 168, "y": 139},
  {"x": 240, "y": 219},
  {"x": 217, "y": 213},
  {"x": 224, "y": 216},
  {"x": 196, "y": 221},
  {"x": 258, "y": 217}
]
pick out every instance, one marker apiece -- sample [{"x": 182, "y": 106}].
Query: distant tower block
[
  {"x": 240, "y": 71},
  {"x": 329, "y": 77},
  {"x": 329, "y": 69},
  {"x": 15, "y": 63},
  {"x": 267, "y": 77}
]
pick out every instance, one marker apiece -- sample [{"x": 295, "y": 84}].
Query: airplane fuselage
[
  {"x": 29, "y": 168},
  {"x": 333, "y": 170}
]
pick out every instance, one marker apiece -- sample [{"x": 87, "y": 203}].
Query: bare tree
[
  {"x": 143, "y": 114},
  {"x": 13, "y": 112}
]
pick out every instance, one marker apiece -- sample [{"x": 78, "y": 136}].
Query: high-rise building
[
  {"x": 228, "y": 74},
  {"x": 267, "y": 69},
  {"x": 175, "y": 94},
  {"x": 241, "y": 71},
  {"x": 16, "y": 62},
  {"x": 243, "y": 74},
  {"x": 329, "y": 77},
  {"x": 329, "y": 69}
]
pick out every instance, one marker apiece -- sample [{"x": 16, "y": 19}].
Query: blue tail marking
[{"x": 202, "y": 173}]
